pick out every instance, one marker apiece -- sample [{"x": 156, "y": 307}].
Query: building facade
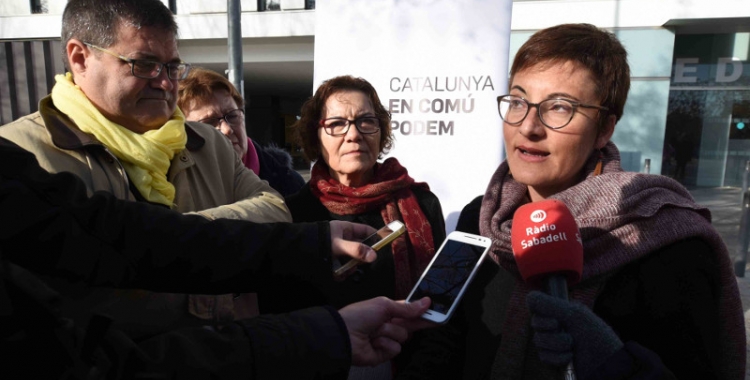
[{"x": 687, "y": 115}]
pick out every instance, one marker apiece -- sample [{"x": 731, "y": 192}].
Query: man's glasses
[
  {"x": 148, "y": 69},
  {"x": 554, "y": 113},
  {"x": 339, "y": 126},
  {"x": 233, "y": 118}
]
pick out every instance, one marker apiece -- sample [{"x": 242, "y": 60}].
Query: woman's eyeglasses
[
  {"x": 554, "y": 113},
  {"x": 233, "y": 118},
  {"x": 339, "y": 126}
]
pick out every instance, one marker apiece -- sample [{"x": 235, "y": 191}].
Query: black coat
[
  {"x": 50, "y": 228},
  {"x": 276, "y": 168},
  {"x": 662, "y": 307}
]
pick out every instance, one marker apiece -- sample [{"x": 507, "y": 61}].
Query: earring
[{"x": 598, "y": 168}]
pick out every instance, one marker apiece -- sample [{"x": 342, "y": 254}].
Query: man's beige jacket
[{"x": 209, "y": 180}]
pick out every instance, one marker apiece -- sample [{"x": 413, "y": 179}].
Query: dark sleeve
[
  {"x": 316, "y": 343},
  {"x": 631, "y": 362},
  {"x": 434, "y": 353},
  {"x": 49, "y": 225},
  {"x": 305, "y": 207},
  {"x": 315, "y": 340},
  {"x": 306, "y": 344},
  {"x": 668, "y": 302},
  {"x": 468, "y": 220}
]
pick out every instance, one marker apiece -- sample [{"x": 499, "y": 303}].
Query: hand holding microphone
[
  {"x": 569, "y": 330},
  {"x": 549, "y": 253}
]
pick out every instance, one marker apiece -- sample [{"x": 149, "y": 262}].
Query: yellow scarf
[{"x": 146, "y": 157}]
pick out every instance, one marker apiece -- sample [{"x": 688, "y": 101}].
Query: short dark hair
[
  {"x": 306, "y": 128},
  {"x": 98, "y": 21},
  {"x": 595, "y": 49},
  {"x": 199, "y": 86}
]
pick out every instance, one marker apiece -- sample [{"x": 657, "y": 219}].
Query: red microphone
[
  {"x": 547, "y": 246},
  {"x": 548, "y": 249}
]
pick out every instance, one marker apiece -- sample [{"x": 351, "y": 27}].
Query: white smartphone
[
  {"x": 449, "y": 274},
  {"x": 378, "y": 240}
]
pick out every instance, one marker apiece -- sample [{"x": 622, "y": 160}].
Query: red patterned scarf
[
  {"x": 622, "y": 217},
  {"x": 389, "y": 191}
]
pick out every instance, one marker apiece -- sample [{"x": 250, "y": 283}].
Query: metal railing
[{"x": 745, "y": 178}]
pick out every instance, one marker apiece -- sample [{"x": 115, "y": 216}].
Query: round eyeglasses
[
  {"x": 554, "y": 113},
  {"x": 233, "y": 118},
  {"x": 148, "y": 69},
  {"x": 339, "y": 126}
]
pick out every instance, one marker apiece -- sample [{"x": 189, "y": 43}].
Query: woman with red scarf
[{"x": 344, "y": 129}]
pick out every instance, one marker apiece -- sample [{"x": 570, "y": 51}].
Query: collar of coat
[{"x": 66, "y": 135}]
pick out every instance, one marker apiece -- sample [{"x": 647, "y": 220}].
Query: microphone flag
[{"x": 545, "y": 241}]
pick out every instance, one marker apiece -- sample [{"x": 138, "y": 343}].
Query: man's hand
[
  {"x": 346, "y": 237},
  {"x": 378, "y": 326}
]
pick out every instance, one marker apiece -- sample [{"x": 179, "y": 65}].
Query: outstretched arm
[
  {"x": 51, "y": 226},
  {"x": 377, "y": 327}
]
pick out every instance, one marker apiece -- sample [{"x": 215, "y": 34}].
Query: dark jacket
[
  {"x": 50, "y": 227},
  {"x": 668, "y": 332},
  {"x": 370, "y": 280},
  {"x": 276, "y": 168}
]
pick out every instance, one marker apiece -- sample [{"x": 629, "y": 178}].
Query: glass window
[
  {"x": 37, "y": 6},
  {"x": 707, "y": 140}
]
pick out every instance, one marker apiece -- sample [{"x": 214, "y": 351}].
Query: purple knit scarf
[{"x": 622, "y": 216}]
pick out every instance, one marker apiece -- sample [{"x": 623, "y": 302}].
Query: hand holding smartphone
[
  {"x": 449, "y": 274},
  {"x": 379, "y": 239}
]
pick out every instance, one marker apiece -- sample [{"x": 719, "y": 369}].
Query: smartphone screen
[
  {"x": 378, "y": 236},
  {"x": 446, "y": 276}
]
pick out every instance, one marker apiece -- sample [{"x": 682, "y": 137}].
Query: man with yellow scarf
[{"x": 112, "y": 120}]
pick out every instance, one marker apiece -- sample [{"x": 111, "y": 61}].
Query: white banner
[{"x": 438, "y": 66}]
